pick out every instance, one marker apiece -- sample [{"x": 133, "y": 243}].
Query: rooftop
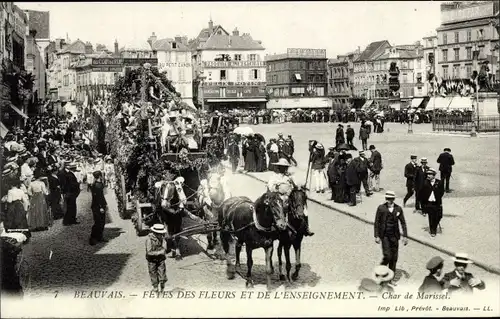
[
  {"x": 372, "y": 50},
  {"x": 166, "y": 45},
  {"x": 217, "y": 38}
]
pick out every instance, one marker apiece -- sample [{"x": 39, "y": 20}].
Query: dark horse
[
  {"x": 293, "y": 236},
  {"x": 257, "y": 225}
]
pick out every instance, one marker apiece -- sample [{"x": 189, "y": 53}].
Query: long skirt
[
  {"x": 338, "y": 193},
  {"x": 39, "y": 215},
  {"x": 15, "y": 218}
]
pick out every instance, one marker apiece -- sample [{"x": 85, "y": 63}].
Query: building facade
[
  {"x": 467, "y": 37},
  {"x": 35, "y": 64},
  {"x": 365, "y": 75},
  {"x": 175, "y": 60},
  {"x": 339, "y": 88},
  {"x": 298, "y": 74},
  {"x": 229, "y": 70}
]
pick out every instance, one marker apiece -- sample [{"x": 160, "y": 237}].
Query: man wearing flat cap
[
  {"x": 430, "y": 197},
  {"x": 433, "y": 282},
  {"x": 388, "y": 217},
  {"x": 446, "y": 161},
  {"x": 420, "y": 177},
  {"x": 410, "y": 171}
]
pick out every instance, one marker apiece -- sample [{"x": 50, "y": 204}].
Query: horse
[
  {"x": 255, "y": 224},
  {"x": 293, "y": 236},
  {"x": 169, "y": 209}
]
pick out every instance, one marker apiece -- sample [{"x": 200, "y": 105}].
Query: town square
[{"x": 215, "y": 165}]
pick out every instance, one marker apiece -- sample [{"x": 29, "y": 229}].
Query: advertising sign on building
[
  {"x": 306, "y": 53},
  {"x": 211, "y": 92},
  {"x": 232, "y": 91},
  {"x": 478, "y": 11},
  {"x": 234, "y": 64}
]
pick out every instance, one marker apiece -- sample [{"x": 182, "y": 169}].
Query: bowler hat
[
  {"x": 413, "y": 156},
  {"x": 447, "y": 150},
  {"x": 97, "y": 174},
  {"x": 434, "y": 262},
  {"x": 372, "y": 147}
]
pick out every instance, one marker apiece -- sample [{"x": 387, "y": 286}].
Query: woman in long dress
[
  {"x": 17, "y": 201},
  {"x": 39, "y": 216}
]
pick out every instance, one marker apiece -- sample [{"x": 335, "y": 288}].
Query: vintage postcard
[{"x": 250, "y": 159}]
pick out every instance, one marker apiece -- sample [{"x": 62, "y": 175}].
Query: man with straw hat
[
  {"x": 282, "y": 182},
  {"x": 387, "y": 219},
  {"x": 459, "y": 280},
  {"x": 156, "y": 249}
]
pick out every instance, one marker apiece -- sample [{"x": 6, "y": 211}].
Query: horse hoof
[
  {"x": 249, "y": 284},
  {"x": 230, "y": 276},
  {"x": 295, "y": 276},
  {"x": 210, "y": 247},
  {"x": 282, "y": 277}
]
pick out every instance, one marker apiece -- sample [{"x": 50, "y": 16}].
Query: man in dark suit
[
  {"x": 349, "y": 133},
  {"x": 420, "y": 177},
  {"x": 364, "y": 135},
  {"x": 375, "y": 165},
  {"x": 446, "y": 161},
  {"x": 430, "y": 196},
  {"x": 362, "y": 167},
  {"x": 432, "y": 282},
  {"x": 71, "y": 190},
  {"x": 233, "y": 152},
  {"x": 339, "y": 135},
  {"x": 387, "y": 219},
  {"x": 352, "y": 179},
  {"x": 99, "y": 207},
  {"x": 410, "y": 171}
]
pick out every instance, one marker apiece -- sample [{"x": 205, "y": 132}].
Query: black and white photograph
[{"x": 250, "y": 159}]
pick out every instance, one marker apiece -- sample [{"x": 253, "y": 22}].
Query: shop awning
[
  {"x": 415, "y": 102},
  {"x": 236, "y": 100},
  {"x": 297, "y": 77},
  {"x": 18, "y": 111},
  {"x": 3, "y": 130},
  {"x": 396, "y": 106},
  {"x": 460, "y": 103},
  {"x": 367, "y": 104},
  {"x": 439, "y": 103}
]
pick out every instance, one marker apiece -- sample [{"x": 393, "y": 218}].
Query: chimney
[
  {"x": 88, "y": 48},
  {"x": 211, "y": 25},
  {"x": 152, "y": 39},
  {"x": 236, "y": 32},
  {"x": 178, "y": 39},
  {"x": 116, "y": 48},
  {"x": 184, "y": 40}
]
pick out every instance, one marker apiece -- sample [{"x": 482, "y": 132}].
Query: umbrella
[
  {"x": 260, "y": 137},
  {"x": 345, "y": 147}
]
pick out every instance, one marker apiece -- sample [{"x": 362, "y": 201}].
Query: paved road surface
[{"x": 341, "y": 253}]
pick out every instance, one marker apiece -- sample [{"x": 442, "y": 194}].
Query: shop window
[{"x": 223, "y": 75}]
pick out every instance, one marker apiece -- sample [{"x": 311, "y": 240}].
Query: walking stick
[{"x": 308, "y": 169}]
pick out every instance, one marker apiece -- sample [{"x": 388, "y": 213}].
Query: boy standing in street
[{"x": 156, "y": 247}]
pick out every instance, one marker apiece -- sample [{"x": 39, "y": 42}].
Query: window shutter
[
  {"x": 258, "y": 74},
  {"x": 250, "y": 75},
  {"x": 248, "y": 57}
]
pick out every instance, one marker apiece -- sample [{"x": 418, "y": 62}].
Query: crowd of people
[{"x": 44, "y": 166}]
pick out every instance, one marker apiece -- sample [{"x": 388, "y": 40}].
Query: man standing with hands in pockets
[{"x": 387, "y": 219}]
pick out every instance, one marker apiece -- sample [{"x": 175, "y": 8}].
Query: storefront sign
[
  {"x": 234, "y": 91},
  {"x": 211, "y": 92},
  {"x": 163, "y": 65},
  {"x": 469, "y": 13},
  {"x": 223, "y": 83},
  {"x": 125, "y": 61},
  {"x": 306, "y": 53},
  {"x": 107, "y": 61},
  {"x": 129, "y": 61},
  {"x": 107, "y": 69},
  {"x": 231, "y": 91},
  {"x": 233, "y": 64}
]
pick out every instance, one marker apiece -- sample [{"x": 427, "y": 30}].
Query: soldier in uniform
[{"x": 282, "y": 182}]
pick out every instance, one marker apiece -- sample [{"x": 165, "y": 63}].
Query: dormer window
[
  {"x": 174, "y": 45},
  {"x": 219, "y": 32}
]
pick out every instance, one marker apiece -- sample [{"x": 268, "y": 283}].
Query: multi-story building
[
  {"x": 467, "y": 36},
  {"x": 298, "y": 79},
  {"x": 338, "y": 82},
  {"x": 35, "y": 65},
  {"x": 365, "y": 75},
  {"x": 62, "y": 77},
  {"x": 174, "y": 59},
  {"x": 39, "y": 21},
  {"x": 13, "y": 28},
  {"x": 229, "y": 69}
]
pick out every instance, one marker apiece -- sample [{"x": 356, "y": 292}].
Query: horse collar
[{"x": 257, "y": 224}]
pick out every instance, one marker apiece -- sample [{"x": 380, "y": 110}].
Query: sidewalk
[{"x": 469, "y": 224}]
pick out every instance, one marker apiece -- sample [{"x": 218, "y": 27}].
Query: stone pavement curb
[
  {"x": 461, "y": 134},
  {"x": 490, "y": 268}
]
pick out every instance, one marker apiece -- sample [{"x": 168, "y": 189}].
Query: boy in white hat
[
  {"x": 282, "y": 182},
  {"x": 459, "y": 280},
  {"x": 156, "y": 249}
]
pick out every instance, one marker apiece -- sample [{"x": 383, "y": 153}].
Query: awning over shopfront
[
  {"x": 236, "y": 100},
  {"x": 367, "y": 104},
  {"x": 3, "y": 130},
  {"x": 18, "y": 111},
  {"x": 460, "y": 103},
  {"x": 415, "y": 102},
  {"x": 438, "y": 103},
  {"x": 396, "y": 106},
  {"x": 297, "y": 77}
]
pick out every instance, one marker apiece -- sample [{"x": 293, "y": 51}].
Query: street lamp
[{"x": 475, "y": 117}]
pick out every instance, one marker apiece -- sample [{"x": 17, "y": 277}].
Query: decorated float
[{"x": 154, "y": 136}]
